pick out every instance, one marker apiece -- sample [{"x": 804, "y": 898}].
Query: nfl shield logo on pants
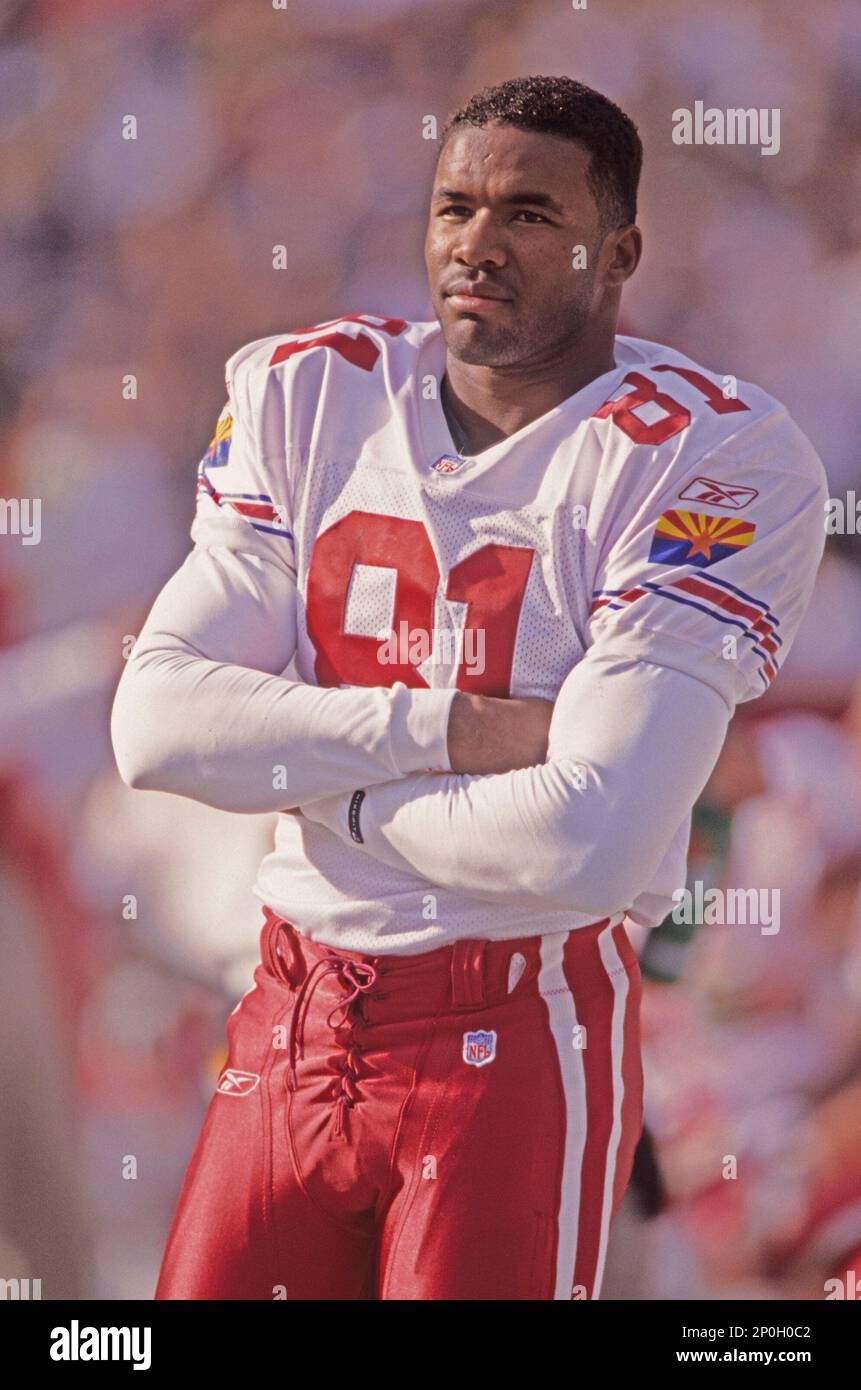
[{"x": 479, "y": 1048}]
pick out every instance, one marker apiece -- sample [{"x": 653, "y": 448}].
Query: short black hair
[{"x": 561, "y": 106}]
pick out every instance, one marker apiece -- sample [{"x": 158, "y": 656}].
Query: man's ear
[{"x": 621, "y": 252}]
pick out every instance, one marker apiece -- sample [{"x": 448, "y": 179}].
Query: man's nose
[{"x": 480, "y": 242}]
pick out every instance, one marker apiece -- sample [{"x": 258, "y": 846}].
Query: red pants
[{"x": 454, "y": 1125}]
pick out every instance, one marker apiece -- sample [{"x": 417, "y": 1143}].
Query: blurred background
[{"x": 127, "y": 929}]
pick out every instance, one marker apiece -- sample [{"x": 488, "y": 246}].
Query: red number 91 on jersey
[{"x": 491, "y": 582}]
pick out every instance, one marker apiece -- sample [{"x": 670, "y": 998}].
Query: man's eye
[
  {"x": 454, "y": 210},
  {"x": 531, "y": 216}
]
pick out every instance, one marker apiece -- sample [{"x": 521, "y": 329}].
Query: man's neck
[{"x": 484, "y": 405}]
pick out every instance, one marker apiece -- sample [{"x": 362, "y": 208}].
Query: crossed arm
[
  {"x": 631, "y": 746},
  {"x": 203, "y": 711}
]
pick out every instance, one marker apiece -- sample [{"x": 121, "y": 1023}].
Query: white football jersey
[{"x": 662, "y": 506}]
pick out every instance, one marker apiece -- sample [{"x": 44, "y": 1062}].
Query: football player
[{"x": 524, "y": 568}]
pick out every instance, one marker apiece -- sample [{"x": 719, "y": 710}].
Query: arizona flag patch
[
  {"x": 693, "y": 538},
  {"x": 219, "y": 445}
]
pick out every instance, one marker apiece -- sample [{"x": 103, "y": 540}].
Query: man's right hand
[{"x": 486, "y": 734}]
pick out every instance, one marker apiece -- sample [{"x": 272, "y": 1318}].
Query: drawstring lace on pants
[{"x": 359, "y": 978}]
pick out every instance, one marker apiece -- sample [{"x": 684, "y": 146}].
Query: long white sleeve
[
  {"x": 203, "y": 711},
  {"x": 631, "y": 747}
]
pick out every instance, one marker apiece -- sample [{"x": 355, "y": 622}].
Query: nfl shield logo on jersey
[
  {"x": 479, "y": 1048},
  {"x": 447, "y": 463}
]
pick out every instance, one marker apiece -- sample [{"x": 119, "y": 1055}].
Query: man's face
[{"x": 508, "y": 208}]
